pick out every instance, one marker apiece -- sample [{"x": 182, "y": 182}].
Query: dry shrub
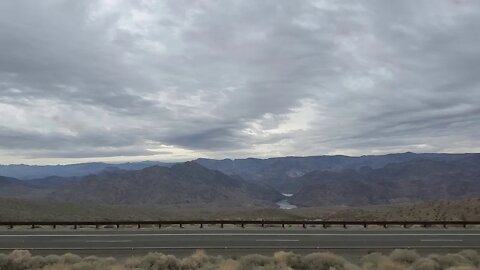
[
  {"x": 372, "y": 261},
  {"x": 324, "y": 261},
  {"x": 404, "y": 256},
  {"x": 254, "y": 261},
  {"x": 397, "y": 260},
  {"x": 389, "y": 265},
  {"x": 70, "y": 258},
  {"x": 351, "y": 266},
  {"x": 472, "y": 256},
  {"x": 154, "y": 261},
  {"x": 426, "y": 264},
  {"x": 51, "y": 259},
  {"x": 451, "y": 260},
  {"x": 462, "y": 268},
  {"x": 289, "y": 259},
  {"x": 228, "y": 265},
  {"x": 199, "y": 260}
]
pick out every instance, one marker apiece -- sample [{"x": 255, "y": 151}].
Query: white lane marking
[
  {"x": 441, "y": 240},
  {"x": 277, "y": 240},
  {"x": 108, "y": 241},
  {"x": 238, "y": 234}
]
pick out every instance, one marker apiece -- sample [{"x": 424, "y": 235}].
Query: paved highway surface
[{"x": 226, "y": 241}]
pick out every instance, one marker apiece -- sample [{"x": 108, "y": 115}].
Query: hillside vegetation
[{"x": 17, "y": 209}]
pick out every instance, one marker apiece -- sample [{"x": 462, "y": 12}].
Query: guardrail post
[
  {"x": 139, "y": 226},
  {"x": 263, "y": 224},
  {"x": 385, "y": 225},
  {"x": 344, "y": 225},
  {"x": 181, "y": 225},
  {"x": 10, "y": 226},
  {"x": 444, "y": 225},
  {"x": 324, "y": 225},
  {"x": 118, "y": 226},
  {"x": 33, "y": 226},
  {"x": 159, "y": 225},
  {"x": 75, "y": 226},
  {"x": 464, "y": 225},
  {"x": 283, "y": 225},
  {"x": 97, "y": 226},
  {"x": 201, "y": 225},
  {"x": 304, "y": 225},
  {"x": 54, "y": 226},
  {"x": 405, "y": 225},
  {"x": 243, "y": 225},
  {"x": 364, "y": 225},
  {"x": 221, "y": 225}
]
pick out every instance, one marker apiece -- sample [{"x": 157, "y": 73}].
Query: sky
[{"x": 112, "y": 80}]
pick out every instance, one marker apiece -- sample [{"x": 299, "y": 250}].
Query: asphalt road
[{"x": 225, "y": 241}]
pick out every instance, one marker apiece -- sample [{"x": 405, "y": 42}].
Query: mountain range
[
  {"x": 26, "y": 172},
  {"x": 185, "y": 184},
  {"x": 313, "y": 181}
]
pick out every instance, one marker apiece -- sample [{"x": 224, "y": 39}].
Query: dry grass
[
  {"x": 17, "y": 209},
  {"x": 397, "y": 260}
]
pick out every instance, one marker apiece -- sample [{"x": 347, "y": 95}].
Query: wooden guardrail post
[
  {"x": 201, "y": 225},
  {"x": 75, "y": 226},
  {"x": 243, "y": 225}
]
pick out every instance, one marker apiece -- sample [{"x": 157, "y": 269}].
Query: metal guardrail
[{"x": 242, "y": 223}]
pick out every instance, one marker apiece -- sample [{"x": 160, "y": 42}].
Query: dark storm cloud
[{"x": 179, "y": 79}]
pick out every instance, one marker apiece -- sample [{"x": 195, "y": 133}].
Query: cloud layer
[{"x": 171, "y": 80}]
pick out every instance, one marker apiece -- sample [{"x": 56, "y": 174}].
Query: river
[{"x": 284, "y": 204}]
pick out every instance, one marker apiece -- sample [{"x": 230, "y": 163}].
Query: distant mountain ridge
[
  {"x": 26, "y": 172},
  {"x": 280, "y": 172},
  {"x": 314, "y": 181},
  {"x": 185, "y": 184},
  {"x": 411, "y": 181}
]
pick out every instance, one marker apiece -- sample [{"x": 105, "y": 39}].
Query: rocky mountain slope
[
  {"x": 24, "y": 172},
  {"x": 281, "y": 173},
  {"x": 417, "y": 180},
  {"x": 187, "y": 184}
]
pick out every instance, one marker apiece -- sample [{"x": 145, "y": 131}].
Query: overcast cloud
[{"x": 178, "y": 79}]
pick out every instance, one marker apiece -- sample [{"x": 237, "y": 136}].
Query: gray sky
[{"x": 173, "y": 80}]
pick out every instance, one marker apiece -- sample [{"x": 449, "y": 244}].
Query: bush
[
  {"x": 404, "y": 256},
  {"x": 426, "y": 264},
  {"x": 289, "y": 259},
  {"x": 324, "y": 261},
  {"x": 254, "y": 261},
  {"x": 472, "y": 256},
  {"x": 157, "y": 261},
  {"x": 397, "y": 260},
  {"x": 452, "y": 260}
]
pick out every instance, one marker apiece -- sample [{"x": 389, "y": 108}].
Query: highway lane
[{"x": 226, "y": 241}]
